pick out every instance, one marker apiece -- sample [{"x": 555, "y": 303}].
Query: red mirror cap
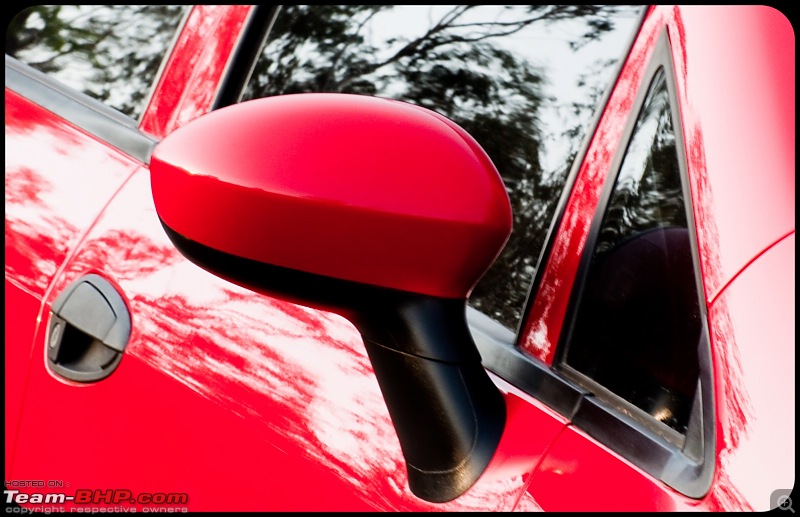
[{"x": 352, "y": 187}]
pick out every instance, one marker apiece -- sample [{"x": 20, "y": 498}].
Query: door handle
[{"x": 89, "y": 329}]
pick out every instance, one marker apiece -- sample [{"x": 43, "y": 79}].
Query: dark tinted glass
[
  {"x": 638, "y": 324},
  {"x": 523, "y": 80},
  {"x": 110, "y": 52}
]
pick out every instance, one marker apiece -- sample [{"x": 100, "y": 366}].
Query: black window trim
[
  {"x": 244, "y": 57},
  {"x": 685, "y": 463}
]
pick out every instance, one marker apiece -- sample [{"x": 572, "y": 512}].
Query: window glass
[
  {"x": 523, "y": 80},
  {"x": 638, "y": 323},
  {"x": 110, "y": 52}
]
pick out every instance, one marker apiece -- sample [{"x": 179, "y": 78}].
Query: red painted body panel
[
  {"x": 753, "y": 333},
  {"x": 54, "y": 200},
  {"x": 359, "y": 207},
  {"x": 739, "y": 126},
  {"x": 17, "y": 357},
  {"x": 738, "y": 213},
  {"x": 56, "y": 197},
  {"x": 743, "y": 172},
  {"x": 192, "y": 73},
  {"x": 742, "y": 184},
  {"x": 250, "y": 403},
  {"x": 259, "y": 395},
  {"x": 540, "y": 336},
  {"x": 755, "y": 406},
  {"x": 580, "y": 475}
]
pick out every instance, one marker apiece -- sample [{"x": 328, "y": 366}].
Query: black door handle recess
[{"x": 89, "y": 329}]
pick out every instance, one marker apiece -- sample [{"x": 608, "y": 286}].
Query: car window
[
  {"x": 110, "y": 52},
  {"x": 523, "y": 80},
  {"x": 638, "y": 321}
]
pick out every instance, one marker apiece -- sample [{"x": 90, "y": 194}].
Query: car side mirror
[{"x": 378, "y": 210}]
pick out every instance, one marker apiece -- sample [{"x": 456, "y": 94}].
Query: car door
[
  {"x": 646, "y": 429},
  {"x": 52, "y": 197},
  {"x": 67, "y": 155},
  {"x": 44, "y": 223},
  {"x": 188, "y": 383},
  {"x": 275, "y": 400}
]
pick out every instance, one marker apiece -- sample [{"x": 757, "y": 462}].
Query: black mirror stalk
[{"x": 448, "y": 414}]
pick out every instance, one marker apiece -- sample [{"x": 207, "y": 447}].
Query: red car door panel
[
  {"x": 218, "y": 383},
  {"x": 52, "y": 198},
  {"x": 61, "y": 197},
  {"x": 17, "y": 358},
  {"x": 225, "y": 399}
]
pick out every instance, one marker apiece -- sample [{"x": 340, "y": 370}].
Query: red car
[{"x": 400, "y": 258}]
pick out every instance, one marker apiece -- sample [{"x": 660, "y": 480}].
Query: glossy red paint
[
  {"x": 235, "y": 365},
  {"x": 54, "y": 200},
  {"x": 720, "y": 192},
  {"x": 755, "y": 405},
  {"x": 738, "y": 215},
  {"x": 755, "y": 390},
  {"x": 542, "y": 330},
  {"x": 358, "y": 185},
  {"x": 191, "y": 76},
  {"x": 19, "y": 357},
  {"x": 284, "y": 395},
  {"x": 741, "y": 215},
  {"x": 250, "y": 403},
  {"x": 128, "y": 246},
  {"x": 739, "y": 125},
  {"x": 608, "y": 483}
]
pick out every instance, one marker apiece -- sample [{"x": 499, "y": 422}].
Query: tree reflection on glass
[
  {"x": 111, "y": 53},
  {"x": 648, "y": 190},
  {"x": 638, "y": 321},
  {"x": 523, "y": 80}
]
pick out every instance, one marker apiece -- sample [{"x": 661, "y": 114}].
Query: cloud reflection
[{"x": 51, "y": 198}]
